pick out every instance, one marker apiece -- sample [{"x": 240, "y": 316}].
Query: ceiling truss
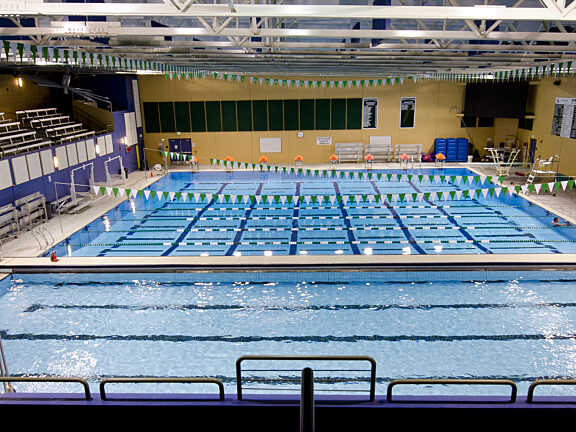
[{"x": 321, "y": 38}]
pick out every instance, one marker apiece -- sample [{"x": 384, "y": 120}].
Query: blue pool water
[
  {"x": 338, "y": 216},
  {"x": 485, "y": 325}
]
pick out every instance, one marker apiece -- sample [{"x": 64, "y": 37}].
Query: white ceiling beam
[
  {"x": 71, "y": 29},
  {"x": 550, "y": 13}
]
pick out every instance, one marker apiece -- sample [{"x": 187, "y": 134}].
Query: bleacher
[
  {"x": 38, "y": 128},
  {"x": 349, "y": 152},
  {"x": 380, "y": 147},
  {"x": 23, "y": 214}
]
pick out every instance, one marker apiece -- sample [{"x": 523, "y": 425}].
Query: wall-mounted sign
[
  {"x": 563, "y": 123},
  {"x": 407, "y": 112},
  {"x": 323, "y": 140},
  {"x": 370, "y": 113}
]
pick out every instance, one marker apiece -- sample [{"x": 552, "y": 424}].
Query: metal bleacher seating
[
  {"x": 349, "y": 152},
  {"x": 413, "y": 151},
  {"x": 14, "y": 139},
  {"x": 380, "y": 147},
  {"x": 23, "y": 214},
  {"x": 37, "y": 128}
]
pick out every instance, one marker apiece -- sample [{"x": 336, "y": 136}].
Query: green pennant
[{"x": 102, "y": 190}]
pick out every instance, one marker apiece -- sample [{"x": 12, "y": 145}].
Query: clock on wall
[{"x": 300, "y": 134}]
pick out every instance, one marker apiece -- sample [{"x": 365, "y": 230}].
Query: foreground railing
[
  {"x": 261, "y": 374},
  {"x": 298, "y": 375}
]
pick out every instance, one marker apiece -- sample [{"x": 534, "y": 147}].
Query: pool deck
[{"x": 24, "y": 251}]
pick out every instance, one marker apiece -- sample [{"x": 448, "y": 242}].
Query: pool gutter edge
[{"x": 291, "y": 263}]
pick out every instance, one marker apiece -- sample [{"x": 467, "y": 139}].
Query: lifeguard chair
[
  {"x": 298, "y": 161},
  {"x": 368, "y": 161},
  {"x": 544, "y": 168}
]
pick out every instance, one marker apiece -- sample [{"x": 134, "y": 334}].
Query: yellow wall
[
  {"x": 433, "y": 119},
  {"x": 437, "y": 107},
  {"x": 548, "y": 144},
  {"x": 14, "y": 98}
]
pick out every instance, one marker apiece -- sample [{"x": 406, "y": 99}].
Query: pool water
[
  {"x": 484, "y": 325},
  {"x": 321, "y": 216}
]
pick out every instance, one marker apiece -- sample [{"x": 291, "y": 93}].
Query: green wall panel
[
  {"x": 167, "y": 119},
  {"x": 198, "y": 116},
  {"x": 353, "y": 113},
  {"x": 213, "y": 116},
  {"x": 291, "y": 114},
  {"x": 229, "y": 123},
  {"x": 322, "y": 109},
  {"x": 244, "y": 112},
  {"x": 151, "y": 117},
  {"x": 182, "y": 112},
  {"x": 307, "y": 114},
  {"x": 260, "y": 115}
]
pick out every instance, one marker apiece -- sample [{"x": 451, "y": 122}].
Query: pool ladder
[{"x": 41, "y": 233}]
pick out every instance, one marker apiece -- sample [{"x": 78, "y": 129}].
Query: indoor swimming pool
[
  {"x": 250, "y": 213},
  {"x": 476, "y": 325}
]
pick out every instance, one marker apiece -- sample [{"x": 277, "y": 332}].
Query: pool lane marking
[
  {"x": 243, "y": 223},
  {"x": 405, "y": 230},
  {"x": 194, "y": 220},
  {"x": 296, "y": 338},
  {"x": 452, "y": 220},
  {"x": 351, "y": 237},
  {"x": 295, "y": 226}
]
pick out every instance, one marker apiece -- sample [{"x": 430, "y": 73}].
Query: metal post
[{"x": 307, "y": 401}]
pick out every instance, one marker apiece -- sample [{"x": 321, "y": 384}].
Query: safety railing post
[{"x": 307, "y": 401}]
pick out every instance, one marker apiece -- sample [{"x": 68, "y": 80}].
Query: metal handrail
[
  {"x": 81, "y": 381},
  {"x": 372, "y": 390},
  {"x": 43, "y": 228},
  {"x": 182, "y": 380},
  {"x": 530, "y": 396},
  {"x": 394, "y": 383},
  {"x": 4, "y": 369}
]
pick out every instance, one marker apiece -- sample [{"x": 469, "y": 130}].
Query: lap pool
[
  {"x": 480, "y": 325},
  {"x": 477, "y": 324},
  {"x": 428, "y": 211}
]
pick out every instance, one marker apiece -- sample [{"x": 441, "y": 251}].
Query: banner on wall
[
  {"x": 563, "y": 123},
  {"x": 369, "y": 113},
  {"x": 407, "y": 112}
]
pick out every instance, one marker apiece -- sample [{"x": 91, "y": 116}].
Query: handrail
[
  {"x": 372, "y": 390},
  {"x": 34, "y": 232},
  {"x": 4, "y": 369},
  {"x": 394, "y": 383},
  {"x": 530, "y": 396},
  {"x": 81, "y": 381},
  {"x": 41, "y": 227},
  {"x": 184, "y": 380}
]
